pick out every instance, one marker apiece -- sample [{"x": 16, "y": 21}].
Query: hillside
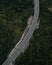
[
  {"x": 39, "y": 51},
  {"x": 13, "y": 20}
]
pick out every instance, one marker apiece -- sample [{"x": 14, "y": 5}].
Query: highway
[{"x": 23, "y": 43}]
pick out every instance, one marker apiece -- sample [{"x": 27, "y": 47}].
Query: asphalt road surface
[{"x": 23, "y": 44}]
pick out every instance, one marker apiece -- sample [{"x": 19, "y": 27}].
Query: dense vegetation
[
  {"x": 13, "y": 20},
  {"x": 39, "y": 51}
]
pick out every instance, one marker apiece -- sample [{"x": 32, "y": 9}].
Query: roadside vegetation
[
  {"x": 13, "y": 20},
  {"x": 39, "y": 51}
]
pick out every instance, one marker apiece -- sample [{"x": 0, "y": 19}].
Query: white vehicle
[{"x": 30, "y": 20}]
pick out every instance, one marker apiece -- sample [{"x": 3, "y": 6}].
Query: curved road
[{"x": 24, "y": 43}]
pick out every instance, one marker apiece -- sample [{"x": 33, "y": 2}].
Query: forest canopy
[{"x": 13, "y": 20}]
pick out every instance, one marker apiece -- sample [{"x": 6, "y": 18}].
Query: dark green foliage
[
  {"x": 13, "y": 20},
  {"x": 39, "y": 51}
]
